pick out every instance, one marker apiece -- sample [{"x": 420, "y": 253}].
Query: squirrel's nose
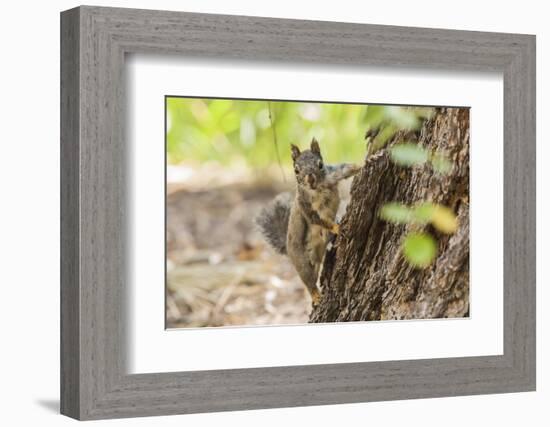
[{"x": 311, "y": 180}]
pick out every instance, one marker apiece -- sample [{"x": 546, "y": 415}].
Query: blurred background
[{"x": 225, "y": 160}]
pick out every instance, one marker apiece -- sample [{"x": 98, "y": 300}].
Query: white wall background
[{"x": 29, "y": 224}]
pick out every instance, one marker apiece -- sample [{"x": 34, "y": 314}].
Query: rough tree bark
[{"x": 365, "y": 276}]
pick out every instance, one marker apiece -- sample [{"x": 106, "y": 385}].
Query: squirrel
[{"x": 299, "y": 226}]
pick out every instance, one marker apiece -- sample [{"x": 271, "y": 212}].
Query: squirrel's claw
[{"x": 315, "y": 297}]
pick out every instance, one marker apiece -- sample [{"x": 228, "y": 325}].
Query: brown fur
[{"x": 311, "y": 215}]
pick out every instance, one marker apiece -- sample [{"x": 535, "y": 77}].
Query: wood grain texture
[
  {"x": 70, "y": 292},
  {"x": 95, "y": 270}
]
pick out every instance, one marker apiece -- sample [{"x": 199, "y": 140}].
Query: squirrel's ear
[
  {"x": 315, "y": 146},
  {"x": 295, "y": 152}
]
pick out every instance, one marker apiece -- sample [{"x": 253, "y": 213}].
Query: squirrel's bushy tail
[{"x": 273, "y": 221}]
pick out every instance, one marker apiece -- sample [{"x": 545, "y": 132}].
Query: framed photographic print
[{"x": 262, "y": 213}]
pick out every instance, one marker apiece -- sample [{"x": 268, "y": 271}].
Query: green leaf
[
  {"x": 403, "y": 117},
  {"x": 423, "y": 213},
  {"x": 441, "y": 164},
  {"x": 408, "y": 154},
  {"x": 396, "y": 213},
  {"x": 419, "y": 249},
  {"x": 444, "y": 219},
  {"x": 374, "y": 114}
]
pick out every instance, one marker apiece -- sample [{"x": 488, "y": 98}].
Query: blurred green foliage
[
  {"x": 419, "y": 249},
  {"x": 410, "y": 154},
  {"x": 259, "y": 133},
  {"x": 441, "y": 217}
]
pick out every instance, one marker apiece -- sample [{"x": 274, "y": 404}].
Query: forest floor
[{"x": 220, "y": 272}]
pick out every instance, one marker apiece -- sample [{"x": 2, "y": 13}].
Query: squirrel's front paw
[
  {"x": 335, "y": 229},
  {"x": 315, "y": 297}
]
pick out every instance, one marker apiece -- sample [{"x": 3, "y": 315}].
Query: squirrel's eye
[
  {"x": 296, "y": 171},
  {"x": 320, "y": 165}
]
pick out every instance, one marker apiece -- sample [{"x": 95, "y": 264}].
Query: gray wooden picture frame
[{"x": 94, "y": 268}]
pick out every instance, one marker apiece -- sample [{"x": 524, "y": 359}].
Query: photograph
[{"x": 286, "y": 212}]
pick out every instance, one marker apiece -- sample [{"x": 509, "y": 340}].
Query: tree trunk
[{"x": 364, "y": 275}]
